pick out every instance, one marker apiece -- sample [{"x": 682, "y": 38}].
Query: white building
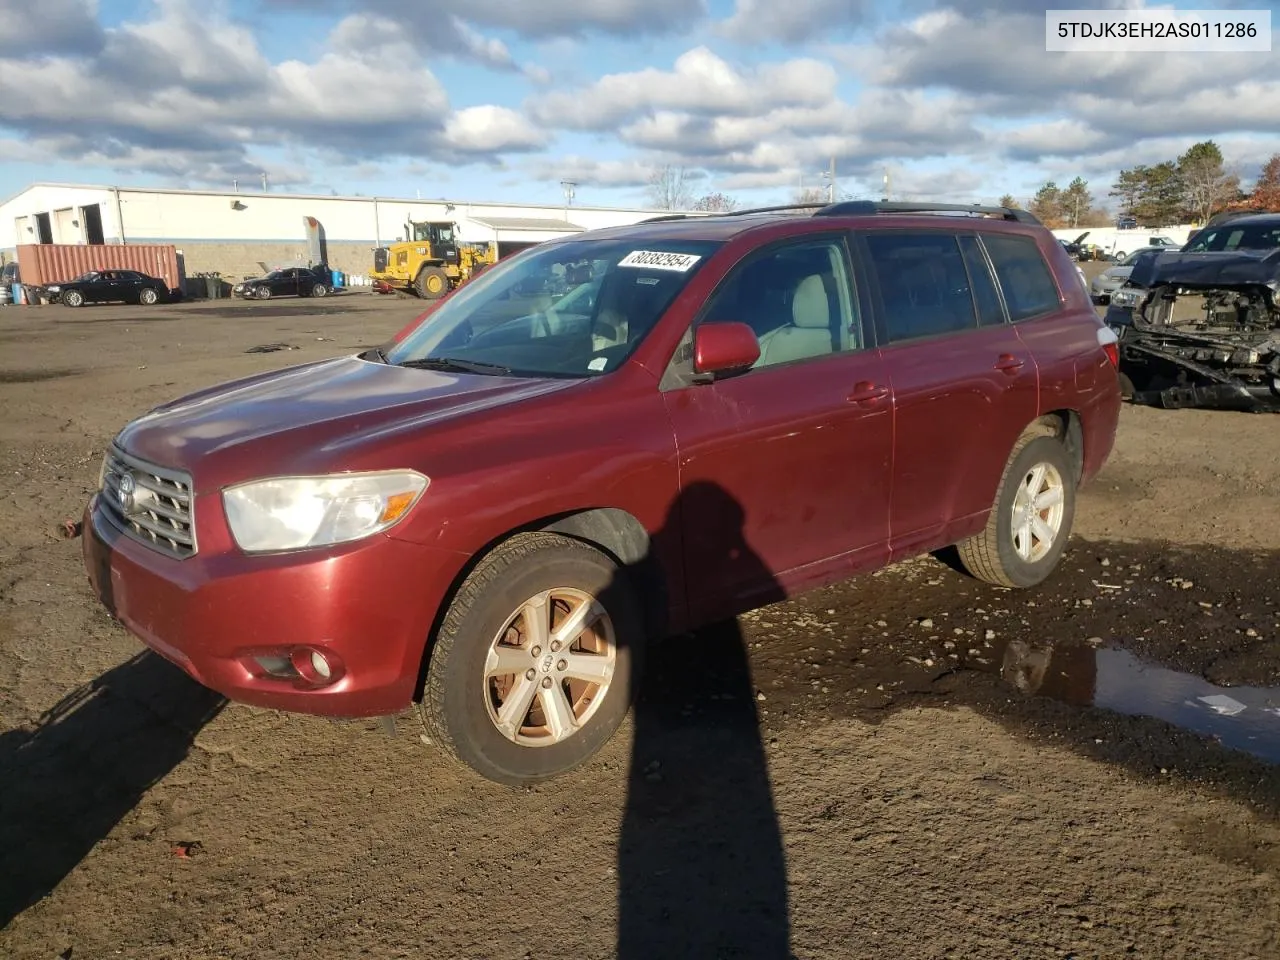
[{"x": 240, "y": 232}]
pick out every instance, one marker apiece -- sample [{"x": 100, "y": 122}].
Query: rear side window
[
  {"x": 985, "y": 297},
  {"x": 924, "y": 287},
  {"x": 1029, "y": 288}
]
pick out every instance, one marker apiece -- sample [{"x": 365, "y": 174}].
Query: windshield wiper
[
  {"x": 454, "y": 364},
  {"x": 374, "y": 353}
]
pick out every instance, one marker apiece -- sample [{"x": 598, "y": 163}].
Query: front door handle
[
  {"x": 867, "y": 392},
  {"x": 1008, "y": 363}
]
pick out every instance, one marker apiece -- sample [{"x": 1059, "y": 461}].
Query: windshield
[
  {"x": 86, "y": 277},
  {"x": 570, "y": 309},
  {"x": 1253, "y": 236}
]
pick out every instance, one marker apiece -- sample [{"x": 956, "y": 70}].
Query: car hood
[
  {"x": 1117, "y": 274},
  {"x": 1209, "y": 269},
  {"x": 318, "y": 416}
]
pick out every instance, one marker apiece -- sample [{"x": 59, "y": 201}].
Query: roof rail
[
  {"x": 780, "y": 207},
  {"x": 664, "y": 217},
  {"x": 864, "y": 208}
]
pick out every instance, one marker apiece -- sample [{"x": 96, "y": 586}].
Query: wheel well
[
  {"x": 1065, "y": 425},
  {"x": 614, "y": 532}
]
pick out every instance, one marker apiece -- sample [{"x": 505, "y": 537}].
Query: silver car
[{"x": 1112, "y": 279}]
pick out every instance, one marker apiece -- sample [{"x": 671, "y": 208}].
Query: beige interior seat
[{"x": 809, "y": 333}]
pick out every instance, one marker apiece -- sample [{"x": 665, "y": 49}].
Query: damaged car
[{"x": 1200, "y": 327}]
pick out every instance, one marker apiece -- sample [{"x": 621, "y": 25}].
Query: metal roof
[{"x": 528, "y": 223}]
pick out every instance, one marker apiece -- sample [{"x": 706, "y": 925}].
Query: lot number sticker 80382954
[{"x": 657, "y": 260}]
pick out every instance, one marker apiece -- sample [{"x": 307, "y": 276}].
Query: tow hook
[{"x": 70, "y": 529}]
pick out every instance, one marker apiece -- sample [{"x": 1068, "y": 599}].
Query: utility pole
[
  {"x": 831, "y": 186},
  {"x": 264, "y": 183},
  {"x": 886, "y": 184},
  {"x": 568, "y": 186}
]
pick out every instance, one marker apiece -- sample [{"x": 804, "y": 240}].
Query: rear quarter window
[
  {"x": 923, "y": 284},
  {"x": 1027, "y": 282}
]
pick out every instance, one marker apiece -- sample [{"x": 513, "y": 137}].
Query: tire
[
  {"x": 262, "y": 293},
  {"x": 319, "y": 290},
  {"x": 432, "y": 283},
  {"x": 460, "y": 708},
  {"x": 148, "y": 297},
  {"x": 1127, "y": 390},
  {"x": 73, "y": 298},
  {"x": 1119, "y": 254},
  {"x": 993, "y": 554}
]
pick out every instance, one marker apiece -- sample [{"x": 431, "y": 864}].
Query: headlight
[
  {"x": 289, "y": 513},
  {"x": 1125, "y": 297},
  {"x": 54, "y": 288}
]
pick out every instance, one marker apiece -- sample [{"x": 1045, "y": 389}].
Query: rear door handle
[
  {"x": 868, "y": 392},
  {"x": 1008, "y": 363}
]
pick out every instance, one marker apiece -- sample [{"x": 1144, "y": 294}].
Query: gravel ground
[{"x": 911, "y": 764}]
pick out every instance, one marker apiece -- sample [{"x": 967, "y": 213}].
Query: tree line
[{"x": 1188, "y": 189}]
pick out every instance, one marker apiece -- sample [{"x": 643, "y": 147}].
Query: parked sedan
[
  {"x": 110, "y": 286},
  {"x": 290, "y": 282},
  {"x": 1114, "y": 277}
]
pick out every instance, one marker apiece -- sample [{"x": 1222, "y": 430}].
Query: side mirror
[{"x": 725, "y": 347}]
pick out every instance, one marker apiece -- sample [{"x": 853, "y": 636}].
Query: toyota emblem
[{"x": 126, "y": 490}]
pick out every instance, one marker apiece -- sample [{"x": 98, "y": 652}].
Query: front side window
[
  {"x": 798, "y": 299},
  {"x": 575, "y": 308},
  {"x": 1029, "y": 287},
  {"x": 924, "y": 285}
]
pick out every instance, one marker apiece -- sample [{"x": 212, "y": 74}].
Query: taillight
[{"x": 1110, "y": 345}]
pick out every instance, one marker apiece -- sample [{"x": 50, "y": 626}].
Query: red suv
[{"x": 604, "y": 439}]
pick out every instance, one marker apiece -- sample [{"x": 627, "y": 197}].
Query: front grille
[
  {"x": 151, "y": 504},
  {"x": 380, "y": 259}
]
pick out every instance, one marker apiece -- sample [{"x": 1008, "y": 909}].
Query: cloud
[
  {"x": 435, "y": 23},
  {"x": 187, "y": 94},
  {"x": 701, "y": 83},
  {"x": 791, "y": 21},
  {"x": 35, "y": 28}
]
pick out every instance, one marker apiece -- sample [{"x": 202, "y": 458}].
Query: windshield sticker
[
  {"x": 657, "y": 260},
  {"x": 598, "y": 364}
]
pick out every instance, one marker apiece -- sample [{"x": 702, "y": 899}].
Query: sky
[{"x": 504, "y": 99}]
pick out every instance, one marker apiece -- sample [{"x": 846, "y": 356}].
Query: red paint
[
  {"x": 720, "y": 347},
  {"x": 831, "y": 466}
]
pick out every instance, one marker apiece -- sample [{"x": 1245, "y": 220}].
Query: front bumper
[{"x": 369, "y": 606}]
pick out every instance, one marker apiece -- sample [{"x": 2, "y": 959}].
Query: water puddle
[{"x": 1243, "y": 718}]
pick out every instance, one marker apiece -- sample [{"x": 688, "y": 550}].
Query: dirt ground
[{"x": 911, "y": 764}]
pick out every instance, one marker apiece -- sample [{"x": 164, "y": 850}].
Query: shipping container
[{"x": 45, "y": 263}]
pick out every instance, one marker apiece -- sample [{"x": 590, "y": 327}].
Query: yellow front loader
[{"x": 432, "y": 261}]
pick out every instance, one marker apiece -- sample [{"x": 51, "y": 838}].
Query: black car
[
  {"x": 290, "y": 282},
  {"x": 1200, "y": 326},
  {"x": 109, "y": 286}
]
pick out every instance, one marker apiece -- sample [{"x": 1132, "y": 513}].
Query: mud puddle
[{"x": 1080, "y": 674}]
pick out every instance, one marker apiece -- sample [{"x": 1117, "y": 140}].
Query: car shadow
[
  {"x": 73, "y": 775},
  {"x": 701, "y": 865}
]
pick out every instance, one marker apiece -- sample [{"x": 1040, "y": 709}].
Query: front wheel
[
  {"x": 534, "y": 665},
  {"x": 1031, "y": 519},
  {"x": 432, "y": 283},
  {"x": 262, "y": 293},
  {"x": 73, "y": 298}
]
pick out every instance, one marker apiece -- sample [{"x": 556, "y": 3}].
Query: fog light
[
  {"x": 320, "y": 664},
  {"x": 317, "y": 667}
]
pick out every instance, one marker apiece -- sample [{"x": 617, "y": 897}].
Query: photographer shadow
[{"x": 85, "y": 764}]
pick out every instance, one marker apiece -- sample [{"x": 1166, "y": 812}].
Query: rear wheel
[
  {"x": 534, "y": 666},
  {"x": 319, "y": 290},
  {"x": 147, "y": 297},
  {"x": 432, "y": 283},
  {"x": 73, "y": 298},
  {"x": 1031, "y": 519}
]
